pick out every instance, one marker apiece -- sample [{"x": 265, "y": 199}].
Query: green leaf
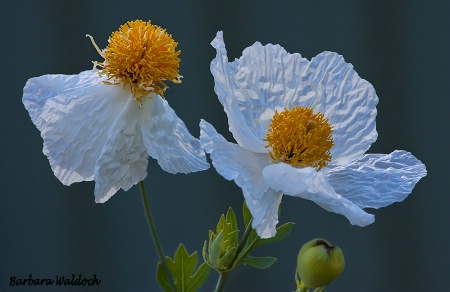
[
  {"x": 199, "y": 277},
  {"x": 161, "y": 277},
  {"x": 282, "y": 232},
  {"x": 254, "y": 240},
  {"x": 258, "y": 262},
  {"x": 246, "y": 214},
  {"x": 182, "y": 268}
]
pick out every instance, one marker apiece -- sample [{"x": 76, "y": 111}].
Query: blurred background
[{"x": 47, "y": 229}]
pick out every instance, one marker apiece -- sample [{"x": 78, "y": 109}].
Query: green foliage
[
  {"x": 223, "y": 252},
  {"x": 258, "y": 262},
  {"x": 283, "y": 231},
  {"x": 162, "y": 279},
  {"x": 183, "y": 270},
  {"x": 220, "y": 253},
  {"x": 254, "y": 240}
]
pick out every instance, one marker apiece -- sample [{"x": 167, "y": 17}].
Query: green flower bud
[
  {"x": 319, "y": 262},
  {"x": 219, "y": 253}
]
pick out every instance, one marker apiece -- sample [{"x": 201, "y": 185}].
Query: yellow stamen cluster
[
  {"x": 300, "y": 138},
  {"x": 141, "y": 55}
]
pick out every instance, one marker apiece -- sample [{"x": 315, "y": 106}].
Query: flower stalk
[
  {"x": 223, "y": 275},
  {"x": 155, "y": 237},
  {"x": 222, "y": 280}
]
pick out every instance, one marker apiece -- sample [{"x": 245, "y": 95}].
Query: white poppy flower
[
  {"x": 302, "y": 129},
  {"x": 102, "y": 125}
]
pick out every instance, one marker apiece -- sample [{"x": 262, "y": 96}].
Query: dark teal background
[{"x": 47, "y": 229}]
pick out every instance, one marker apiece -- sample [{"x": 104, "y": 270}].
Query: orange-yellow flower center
[
  {"x": 300, "y": 138},
  {"x": 141, "y": 55}
]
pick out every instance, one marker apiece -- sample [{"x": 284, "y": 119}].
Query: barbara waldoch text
[{"x": 73, "y": 280}]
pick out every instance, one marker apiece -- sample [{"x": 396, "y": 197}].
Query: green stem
[
  {"x": 221, "y": 282},
  {"x": 156, "y": 241},
  {"x": 243, "y": 242}
]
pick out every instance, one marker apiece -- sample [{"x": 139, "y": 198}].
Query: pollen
[
  {"x": 300, "y": 138},
  {"x": 141, "y": 55}
]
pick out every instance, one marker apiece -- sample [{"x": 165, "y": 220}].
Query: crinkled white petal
[
  {"x": 322, "y": 193},
  {"x": 267, "y": 78},
  {"x": 309, "y": 184},
  {"x": 167, "y": 139},
  {"x": 267, "y": 206},
  {"x": 347, "y": 100},
  {"x": 75, "y": 114},
  {"x": 242, "y": 99},
  {"x": 287, "y": 179},
  {"x": 123, "y": 161},
  {"x": 377, "y": 180},
  {"x": 236, "y": 163}
]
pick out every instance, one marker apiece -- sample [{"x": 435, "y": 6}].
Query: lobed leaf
[
  {"x": 161, "y": 277},
  {"x": 182, "y": 268}
]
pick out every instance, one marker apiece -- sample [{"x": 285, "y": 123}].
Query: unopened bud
[
  {"x": 319, "y": 262},
  {"x": 219, "y": 253}
]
